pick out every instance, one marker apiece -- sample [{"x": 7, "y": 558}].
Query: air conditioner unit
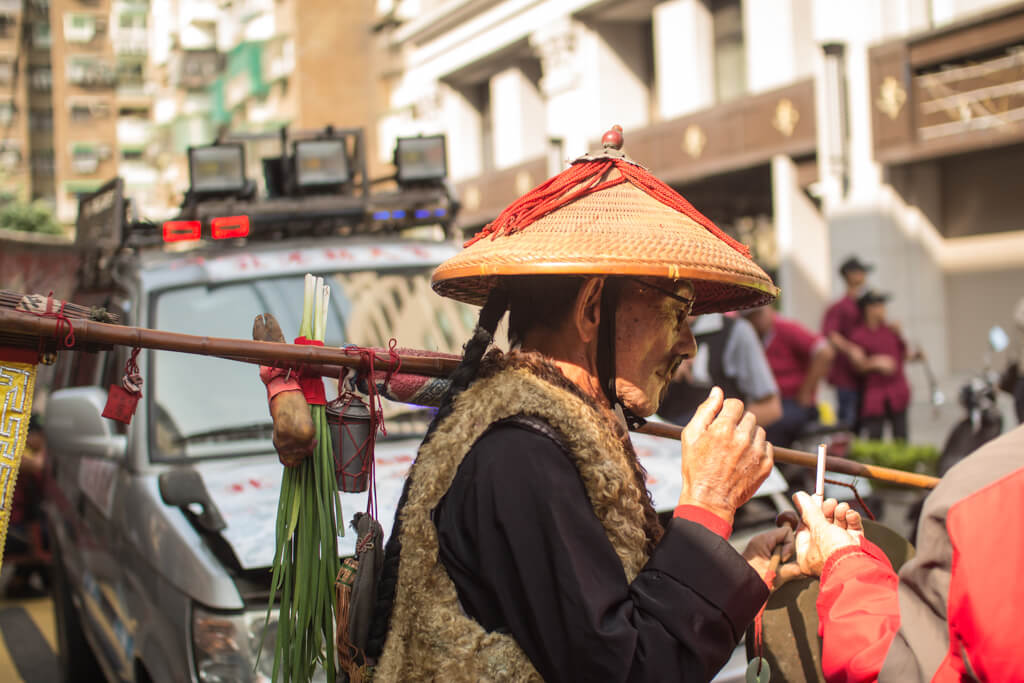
[{"x": 85, "y": 165}]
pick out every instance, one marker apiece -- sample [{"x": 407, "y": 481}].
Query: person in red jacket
[{"x": 952, "y": 612}]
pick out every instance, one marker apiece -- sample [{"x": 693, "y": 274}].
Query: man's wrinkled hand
[
  {"x": 725, "y": 456},
  {"x": 827, "y": 527}
]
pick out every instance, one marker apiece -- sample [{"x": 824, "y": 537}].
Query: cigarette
[{"x": 819, "y": 480}]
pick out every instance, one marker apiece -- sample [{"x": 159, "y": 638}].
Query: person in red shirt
[
  {"x": 799, "y": 359},
  {"x": 879, "y": 355},
  {"x": 840, "y": 320},
  {"x": 952, "y": 612}
]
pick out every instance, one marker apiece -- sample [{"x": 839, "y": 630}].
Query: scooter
[{"x": 983, "y": 421}]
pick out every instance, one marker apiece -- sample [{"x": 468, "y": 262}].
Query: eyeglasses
[{"x": 670, "y": 294}]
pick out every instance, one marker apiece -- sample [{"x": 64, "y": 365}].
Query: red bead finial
[{"x": 613, "y": 138}]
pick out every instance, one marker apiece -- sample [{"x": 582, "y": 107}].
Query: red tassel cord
[{"x": 586, "y": 177}]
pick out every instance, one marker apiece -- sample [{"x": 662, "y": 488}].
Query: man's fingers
[
  {"x": 840, "y": 514},
  {"x": 730, "y": 414},
  {"x": 747, "y": 426},
  {"x": 853, "y": 521},
  {"x": 787, "y": 572},
  {"x": 828, "y": 509},
  {"x": 707, "y": 411},
  {"x": 810, "y": 509}
]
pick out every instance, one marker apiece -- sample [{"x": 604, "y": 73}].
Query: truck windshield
[{"x": 204, "y": 407}]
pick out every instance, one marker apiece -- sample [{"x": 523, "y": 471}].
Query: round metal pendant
[{"x": 753, "y": 676}]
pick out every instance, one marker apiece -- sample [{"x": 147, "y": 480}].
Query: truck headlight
[{"x": 226, "y": 645}]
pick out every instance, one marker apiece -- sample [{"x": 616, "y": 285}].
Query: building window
[
  {"x": 130, "y": 73},
  {"x": 88, "y": 109},
  {"x": 6, "y": 71},
  {"x": 730, "y": 51},
  {"x": 90, "y": 72},
  {"x": 80, "y": 28},
  {"x": 10, "y": 155},
  {"x": 8, "y": 22},
  {"x": 40, "y": 119},
  {"x": 40, "y": 77},
  {"x": 130, "y": 20},
  {"x": 7, "y": 112},
  {"x": 41, "y": 37},
  {"x": 42, "y": 162},
  {"x": 86, "y": 156}
]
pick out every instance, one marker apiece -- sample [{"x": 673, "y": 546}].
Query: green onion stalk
[{"x": 306, "y": 557}]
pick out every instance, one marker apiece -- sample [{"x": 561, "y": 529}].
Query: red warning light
[
  {"x": 182, "y": 231},
  {"x": 228, "y": 227}
]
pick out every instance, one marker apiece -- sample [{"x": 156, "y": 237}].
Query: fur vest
[{"x": 431, "y": 638}]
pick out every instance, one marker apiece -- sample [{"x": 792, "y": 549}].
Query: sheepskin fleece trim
[{"x": 431, "y": 638}]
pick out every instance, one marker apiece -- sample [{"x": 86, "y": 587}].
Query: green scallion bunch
[{"x": 306, "y": 558}]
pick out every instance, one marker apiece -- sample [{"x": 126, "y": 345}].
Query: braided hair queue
[{"x": 461, "y": 378}]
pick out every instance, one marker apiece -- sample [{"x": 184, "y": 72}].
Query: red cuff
[
  {"x": 706, "y": 518},
  {"x": 312, "y": 386},
  {"x": 836, "y": 557},
  {"x": 278, "y": 380}
]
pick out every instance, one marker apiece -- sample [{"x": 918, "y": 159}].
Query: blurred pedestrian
[
  {"x": 799, "y": 360},
  {"x": 729, "y": 355},
  {"x": 840, "y": 320},
  {"x": 878, "y": 355},
  {"x": 952, "y": 612}
]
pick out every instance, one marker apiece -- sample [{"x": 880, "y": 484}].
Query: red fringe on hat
[{"x": 583, "y": 178}]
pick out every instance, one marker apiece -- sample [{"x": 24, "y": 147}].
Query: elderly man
[{"x": 528, "y": 546}]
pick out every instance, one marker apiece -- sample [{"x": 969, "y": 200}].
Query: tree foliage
[{"x": 29, "y": 217}]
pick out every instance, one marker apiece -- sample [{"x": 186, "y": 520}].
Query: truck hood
[{"x": 247, "y": 495}]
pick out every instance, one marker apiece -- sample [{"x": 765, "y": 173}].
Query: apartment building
[
  {"x": 84, "y": 81},
  {"x": 15, "y": 170},
  {"x": 74, "y": 110},
  {"x": 812, "y": 129},
  {"x": 241, "y": 66}
]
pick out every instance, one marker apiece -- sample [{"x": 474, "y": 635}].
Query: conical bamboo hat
[{"x": 606, "y": 215}]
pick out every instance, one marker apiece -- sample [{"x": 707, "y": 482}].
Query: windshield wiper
[{"x": 229, "y": 433}]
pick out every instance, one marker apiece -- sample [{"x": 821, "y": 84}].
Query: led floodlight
[
  {"x": 217, "y": 168},
  {"x": 321, "y": 162},
  {"x": 421, "y": 159}
]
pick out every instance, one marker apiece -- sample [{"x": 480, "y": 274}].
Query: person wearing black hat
[
  {"x": 879, "y": 358},
  {"x": 840, "y": 320}
]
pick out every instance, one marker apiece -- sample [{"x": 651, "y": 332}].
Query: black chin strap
[{"x": 606, "y": 354}]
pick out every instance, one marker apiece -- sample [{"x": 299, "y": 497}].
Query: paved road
[{"x": 28, "y": 641}]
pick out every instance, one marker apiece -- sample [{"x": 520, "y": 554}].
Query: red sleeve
[
  {"x": 713, "y": 522},
  {"x": 800, "y": 338},
  {"x": 862, "y": 338},
  {"x": 832, "y": 321},
  {"x": 858, "y": 614}
]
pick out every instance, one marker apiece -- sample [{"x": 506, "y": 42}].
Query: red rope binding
[
  {"x": 583, "y": 178},
  {"x": 63, "y": 322},
  {"x": 376, "y": 408}
]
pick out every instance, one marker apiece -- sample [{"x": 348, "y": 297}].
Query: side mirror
[
  {"x": 184, "y": 487},
  {"x": 998, "y": 339},
  {"x": 75, "y": 424}
]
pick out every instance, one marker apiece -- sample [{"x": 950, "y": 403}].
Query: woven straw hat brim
[{"x": 618, "y": 231}]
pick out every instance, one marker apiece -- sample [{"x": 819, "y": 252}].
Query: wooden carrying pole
[{"x": 329, "y": 362}]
